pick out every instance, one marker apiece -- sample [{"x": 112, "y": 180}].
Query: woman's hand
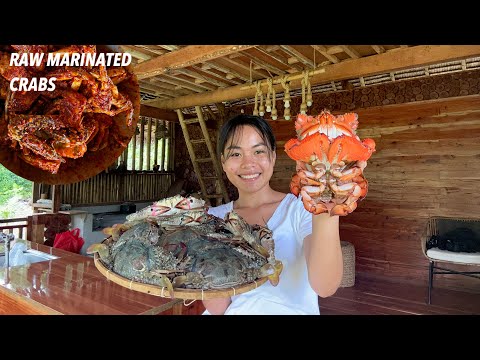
[{"x": 217, "y": 306}]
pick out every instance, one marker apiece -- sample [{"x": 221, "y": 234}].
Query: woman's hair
[{"x": 231, "y": 130}]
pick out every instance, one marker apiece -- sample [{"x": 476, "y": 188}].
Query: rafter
[
  {"x": 278, "y": 58},
  {"x": 351, "y": 52},
  {"x": 187, "y": 56},
  {"x": 379, "y": 49},
  {"x": 415, "y": 56},
  {"x": 302, "y": 58},
  {"x": 323, "y": 50}
]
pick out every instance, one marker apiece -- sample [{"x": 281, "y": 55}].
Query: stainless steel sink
[{"x": 30, "y": 256}]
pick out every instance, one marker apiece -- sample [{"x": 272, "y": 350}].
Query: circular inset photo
[{"x": 67, "y": 112}]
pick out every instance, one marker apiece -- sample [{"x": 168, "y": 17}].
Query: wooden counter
[{"x": 72, "y": 285}]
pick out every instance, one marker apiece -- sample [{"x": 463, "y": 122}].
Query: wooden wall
[{"x": 427, "y": 163}]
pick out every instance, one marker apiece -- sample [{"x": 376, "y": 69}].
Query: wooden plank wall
[{"x": 427, "y": 163}]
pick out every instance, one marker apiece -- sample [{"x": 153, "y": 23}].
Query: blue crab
[{"x": 190, "y": 249}]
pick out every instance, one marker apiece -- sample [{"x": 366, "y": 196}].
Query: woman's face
[{"x": 247, "y": 160}]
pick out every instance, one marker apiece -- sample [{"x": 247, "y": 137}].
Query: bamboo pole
[
  {"x": 163, "y": 151},
  {"x": 149, "y": 142},
  {"x": 142, "y": 141},
  {"x": 134, "y": 148},
  {"x": 155, "y": 149}
]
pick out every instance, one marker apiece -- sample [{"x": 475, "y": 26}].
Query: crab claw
[
  {"x": 310, "y": 205},
  {"x": 343, "y": 209},
  {"x": 260, "y": 249},
  {"x": 274, "y": 277},
  {"x": 295, "y": 186},
  {"x": 116, "y": 230},
  {"x": 316, "y": 143},
  {"x": 165, "y": 282},
  {"x": 346, "y": 148},
  {"x": 192, "y": 278},
  {"x": 190, "y": 202},
  {"x": 101, "y": 249}
]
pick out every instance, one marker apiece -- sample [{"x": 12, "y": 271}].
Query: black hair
[{"x": 230, "y": 128}]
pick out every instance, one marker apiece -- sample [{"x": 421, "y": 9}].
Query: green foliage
[
  {"x": 6, "y": 214},
  {"x": 12, "y": 185}
]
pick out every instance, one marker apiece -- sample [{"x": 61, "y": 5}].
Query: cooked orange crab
[{"x": 330, "y": 161}]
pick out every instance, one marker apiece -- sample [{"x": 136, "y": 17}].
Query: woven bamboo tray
[{"x": 187, "y": 294}]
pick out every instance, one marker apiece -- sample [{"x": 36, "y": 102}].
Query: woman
[{"x": 307, "y": 245}]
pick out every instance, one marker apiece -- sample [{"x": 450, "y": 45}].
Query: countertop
[{"x": 72, "y": 285}]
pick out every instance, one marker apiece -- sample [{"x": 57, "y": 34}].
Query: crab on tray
[
  {"x": 174, "y": 248},
  {"x": 330, "y": 162}
]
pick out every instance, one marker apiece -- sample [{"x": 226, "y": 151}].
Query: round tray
[
  {"x": 187, "y": 294},
  {"x": 93, "y": 162}
]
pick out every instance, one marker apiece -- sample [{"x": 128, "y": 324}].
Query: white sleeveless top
[{"x": 290, "y": 224}]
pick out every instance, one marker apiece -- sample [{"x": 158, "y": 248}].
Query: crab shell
[{"x": 328, "y": 138}]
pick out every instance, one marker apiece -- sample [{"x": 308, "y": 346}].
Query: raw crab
[
  {"x": 330, "y": 161},
  {"x": 188, "y": 248}
]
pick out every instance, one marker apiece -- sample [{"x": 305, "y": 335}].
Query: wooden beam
[
  {"x": 156, "y": 113},
  {"x": 290, "y": 50},
  {"x": 226, "y": 70},
  {"x": 414, "y": 56},
  {"x": 278, "y": 58},
  {"x": 379, "y": 49},
  {"x": 323, "y": 50},
  {"x": 351, "y": 52},
  {"x": 264, "y": 64},
  {"x": 135, "y": 53},
  {"x": 187, "y": 56}
]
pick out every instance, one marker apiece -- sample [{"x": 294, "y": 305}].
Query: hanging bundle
[
  {"x": 309, "y": 91},
  {"x": 303, "y": 106},
  {"x": 286, "y": 98},
  {"x": 255, "y": 109},
  {"x": 261, "y": 109},
  {"x": 268, "y": 102},
  {"x": 274, "y": 104}
]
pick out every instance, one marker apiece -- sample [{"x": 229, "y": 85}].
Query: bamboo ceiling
[{"x": 182, "y": 76}]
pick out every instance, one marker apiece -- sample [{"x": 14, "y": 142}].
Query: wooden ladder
[{"x": 221, "y": 190}]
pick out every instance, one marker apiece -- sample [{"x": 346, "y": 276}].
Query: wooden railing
[
  {"x": 16, "y": 226},
  {"x": 117, "y": 188}
]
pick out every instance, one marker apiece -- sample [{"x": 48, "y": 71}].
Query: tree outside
[{"x": 15, "y": 193}]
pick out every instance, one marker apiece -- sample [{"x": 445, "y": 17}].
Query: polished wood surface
[{"x": 72, "y": 285}]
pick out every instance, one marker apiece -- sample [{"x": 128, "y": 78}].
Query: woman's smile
[{"x": 250, "y": 177}]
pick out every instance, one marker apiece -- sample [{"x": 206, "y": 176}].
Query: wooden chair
[
  {"x": 438, "y": 226},
  {"x": 42, "y": 228}
]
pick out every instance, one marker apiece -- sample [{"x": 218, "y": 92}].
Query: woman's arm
[
  {"x": 323, "y": 254},
  {"x": 217, "y": 306}
]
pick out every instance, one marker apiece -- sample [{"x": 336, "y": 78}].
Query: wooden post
[{"x": 56, "y": 198}]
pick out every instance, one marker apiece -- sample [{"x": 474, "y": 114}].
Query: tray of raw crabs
[{"x": 174, "y": 248}]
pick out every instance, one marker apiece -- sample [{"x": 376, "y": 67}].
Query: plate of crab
[
  {"x": 330, "y": 162},
  {"x": 75, "y": 130},
  {"x": 174, "y": 248}
]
